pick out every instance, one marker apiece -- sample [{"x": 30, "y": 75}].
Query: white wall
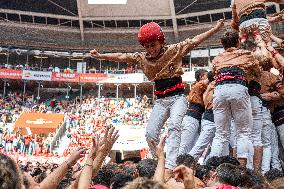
[{"x": 133, "y": 8}]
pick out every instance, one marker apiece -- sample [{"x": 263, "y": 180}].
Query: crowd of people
[
  {"x": 232, "y": 117},
  {"x": 82, "y": 119}
]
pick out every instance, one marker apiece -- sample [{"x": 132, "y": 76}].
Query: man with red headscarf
[{"x": 162, "y": 64}]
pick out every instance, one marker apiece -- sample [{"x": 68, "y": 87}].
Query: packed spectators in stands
[{"x": 82, "y": 120}]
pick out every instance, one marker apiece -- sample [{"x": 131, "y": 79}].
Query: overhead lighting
[
  {"x": 41, "y": 57},
  {"x": 108, "y": 2}
]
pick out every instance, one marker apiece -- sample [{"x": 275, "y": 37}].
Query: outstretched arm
[
  {"x": 278, "y": 57},
  {"x": 116, "y": 57},
  {"x": 202, "y": 37},
  {"x": 54, "y": 178},
  {"x": 235, "y": 19}
]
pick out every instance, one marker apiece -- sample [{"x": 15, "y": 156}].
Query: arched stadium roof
[{"x": 75, "y": 24}]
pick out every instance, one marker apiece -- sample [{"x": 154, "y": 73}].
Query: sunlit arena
[{"x": 141, "y": 94}]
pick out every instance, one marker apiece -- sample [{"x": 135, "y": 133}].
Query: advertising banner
[
  {"x": 67, "y": 77},
  {"x": 124, "y": 78},
  {"x": 37, "y": 75},
  {"x": 37, "y": 123},
  {"x": 92, "y": 77},
  {"x": 11, "y": 74}
]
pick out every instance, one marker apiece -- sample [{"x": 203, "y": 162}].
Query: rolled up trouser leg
[
  {"x": 189, "y": 133},
  {"x": 177, "y": 112},
  {"x": 233, "y": 139},
  {"x": 242, "y": 115},
  {"x": 257, "y": 120},
  {"x": 206, "y": 136},
  {"x": 275, "y": 161},
  {"x": 222, "y": 118},
  {"x": 280, "y": 130},
  {"x": 266, "y": 140},
  {"x": 158, "y": 117}
]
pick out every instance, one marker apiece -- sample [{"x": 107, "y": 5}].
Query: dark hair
[
  {"x": 248, "y": 44},
  {"x": 230, "y": 39},
  {"x": 228, "y": 174},
  {"x": 187, "y": 160},
  {"x": 42, "y": 176},
  {"x": 229, "y": 159},
  {"x": 10, "y": 177},
  {"x": 199, "y": 73},
  {"x": 36, "y": 172},
  {"x": 63, "y": 184},
  {"x": 146, "y": 168},
  {"x": 202, "y": 171},
  {"x": 250, "y": 179},
  {"x": 273, "y": 174},
  {"x": 105, "y": 174},
  {"x": 213, "y": 162},
  {"x": 129, "y": 169},
  {"x": 120, "y": 180},
  {"x": 210, "y": 76}
]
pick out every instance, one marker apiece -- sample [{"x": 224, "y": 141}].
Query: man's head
[
  {"x": 229, "y": 159},
  {"x": 105, "y": 174},
  {"x": 146, "y": 168},
  {"x": 200, "y": 74},
  {"x": 230, "y": 39},
  {"x": 187, "y": 160},
  {"x": 10, "y": 176},
  {"x": 120, "y": 180},
  {"x": 228, "y": 174},
  {"x": 204, "y": 173},
  {"x": 213, "y": 162},
  {"x": 152, "y": 38},
  {"x": 250, "y": 179},
  {"x": 273, "y": 174},
  {"x": 210, "y": 76}
]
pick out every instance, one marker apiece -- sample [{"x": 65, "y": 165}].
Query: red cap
[{"x": 150, "y": 32}]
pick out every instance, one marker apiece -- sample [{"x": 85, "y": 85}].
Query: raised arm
[
  {"x": 235, "y": 19},
  {"x": 202, "y": 37},
  {"x": 108, "y": 141},
  {"x": 273, "y": 19},
  {"x": 54, "y": 178},
  {"x": 160, "y": 170},
  {"x": 278, "y": 57},
  {"x": 116, "y": 57},
  {"x": 85, "y": 178},
  {"x": 271, "y": 96},
  {"x": 278, "y": 41},
  {"x": 103, "y": 150}
]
